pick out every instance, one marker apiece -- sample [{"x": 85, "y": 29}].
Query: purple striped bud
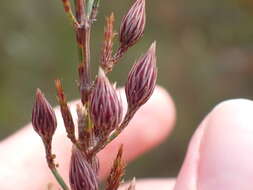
[
  {"x": 81, "y": 174},
  {"x": 133, "y": 24},
  {"x": 142, "y": 79},
  {"x": 43, "y": 117},
  {"x": 105, "y": 108}
]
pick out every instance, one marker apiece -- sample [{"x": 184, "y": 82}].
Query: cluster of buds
[{"x": 100, "y": 113}]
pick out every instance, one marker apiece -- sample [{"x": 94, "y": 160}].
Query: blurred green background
[{"x": 205, "y": 55}]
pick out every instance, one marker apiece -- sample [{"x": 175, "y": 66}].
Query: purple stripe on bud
[
  {"x": 142, "y": 79},
  {"x": 43, "y": 117},
  {"x": 105, "y": 108},
  {"x": 133, "y": 24},
  {"x": 81, "y": 174}
]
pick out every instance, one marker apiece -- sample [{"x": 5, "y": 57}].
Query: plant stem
[
  {"x": 50, "y": 162},
  {"x": 129, "y": 115},
  {"x": 80, "y": 53},
  {"x": 89, "y": 8},
  {"x": 96, "y": 3},
  {"x": 94, "y": 10},
  {"x": 86, "y": 48},
  {"x": 80, "y": 11},
  {"x": 59, "y": 179},
  {"x": 83, "y": 35}
]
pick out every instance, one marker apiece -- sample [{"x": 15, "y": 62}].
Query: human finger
[{"x": 220, "y": 153}]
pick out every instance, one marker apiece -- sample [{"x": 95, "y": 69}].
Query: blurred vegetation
[{"x": 205, "y": 55}]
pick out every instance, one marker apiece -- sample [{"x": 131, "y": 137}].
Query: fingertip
[
  {"x": 220, "y": 152},
  {"x": 160, "y": 113},
  {"x": 226, "y": 150}
]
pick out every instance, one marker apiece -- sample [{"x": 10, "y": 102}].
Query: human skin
[{"x": 219, "y": 154}]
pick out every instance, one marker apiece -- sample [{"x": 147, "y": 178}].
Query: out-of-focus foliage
[{"x": 205, "y": 55}]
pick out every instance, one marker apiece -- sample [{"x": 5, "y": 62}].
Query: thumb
[{"x": 220, "y": 152}]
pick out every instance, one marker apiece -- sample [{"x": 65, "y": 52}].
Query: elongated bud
[
  {"x": 81, "y": 174},
  {"x": 109, "y": 35},
  {"x": 133, "y": 24},
  {"x": 65, "y": 112},
  {"x": 142, "y": 79},
  {"x": 117, "y": 172},
  {"x": 43, "y": 117},
  {"x": 105, "y": 108}
]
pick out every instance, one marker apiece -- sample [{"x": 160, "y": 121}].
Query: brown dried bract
[
  {"x": 117, "y": 172},
  {"x": 106, "y": 59},
  {"x": 65, "y": 111}
]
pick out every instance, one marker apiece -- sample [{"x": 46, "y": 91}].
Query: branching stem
[
  {"x": 86, "y": 48},
  {"x": 129, "y": 115},
  {"x": 89, "y": 8}
]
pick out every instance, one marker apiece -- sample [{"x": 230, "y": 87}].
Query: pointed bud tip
[
  {"x": 101, "y": 73},
  {"x": 114, "y": 85},
  {"x": 59, "y": 89},
  {"x": 39, "y": 97},
  {"x": 57, "y": 83},
  {"x": 38, "y": 93},
  {"x": 112, "y": 17},
  {"x": 120, "y": 152},
  {"x": 152, "y": 49},
  {"x": 153, "y": 46}
]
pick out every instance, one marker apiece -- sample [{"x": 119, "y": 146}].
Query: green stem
[
  {"x": 96, "y": 3},
  {"x": 59, "y": 179},
  {"x": 89, "y": 7},
  {"x": 75, "y": 4}
]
